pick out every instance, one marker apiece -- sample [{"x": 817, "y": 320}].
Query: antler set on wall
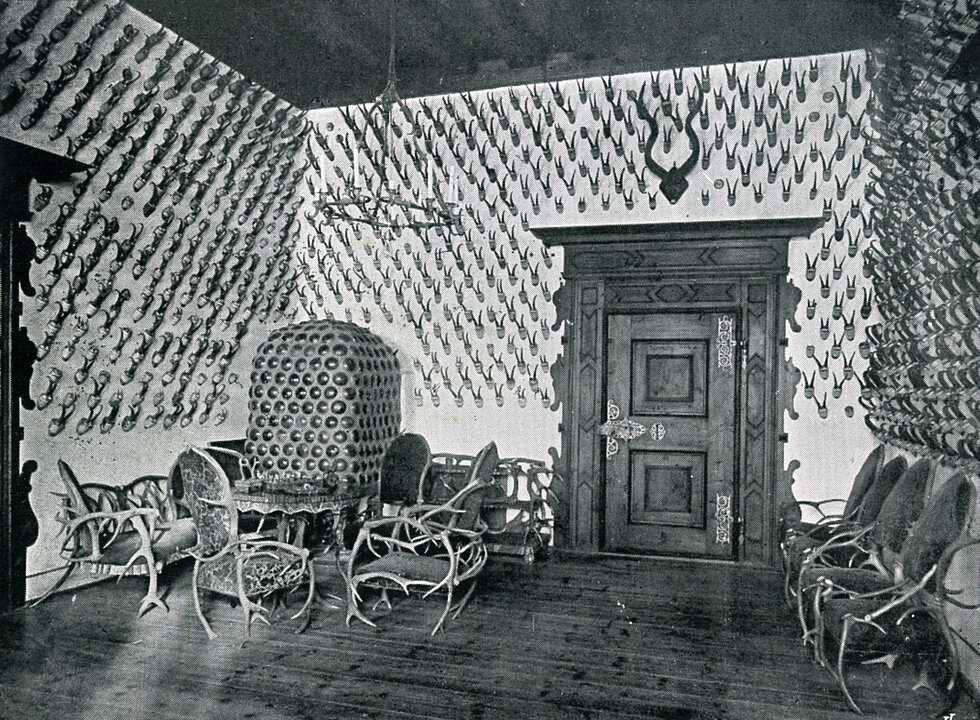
[
  {"x": 775, "y": 135},
  {"x": 673, "y": 182},
  {"x": 136, "y": 327}
]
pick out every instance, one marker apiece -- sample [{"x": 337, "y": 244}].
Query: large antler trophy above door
[{"x": 673, "y": 182}]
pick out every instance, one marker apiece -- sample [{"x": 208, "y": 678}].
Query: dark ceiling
[{"x": 318, "y": 53}]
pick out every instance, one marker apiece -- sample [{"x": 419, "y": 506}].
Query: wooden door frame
[{"x": 677, "y": 266}]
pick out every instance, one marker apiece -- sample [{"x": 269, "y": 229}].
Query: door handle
[{"x": 625, "y": 429}]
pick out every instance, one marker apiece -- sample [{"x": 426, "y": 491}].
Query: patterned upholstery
[
  {"x": 262, "y": 574},
  {"x": 248, "y": 569},
  {"x": 208, "y": 493}
]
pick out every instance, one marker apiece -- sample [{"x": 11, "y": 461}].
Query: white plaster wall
[{"x": 829, "y": 450}]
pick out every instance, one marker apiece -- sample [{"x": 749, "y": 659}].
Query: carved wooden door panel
[{"x": 670, "y": 433}]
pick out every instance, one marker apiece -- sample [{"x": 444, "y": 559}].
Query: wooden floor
[{"x": 568, "y": 638}]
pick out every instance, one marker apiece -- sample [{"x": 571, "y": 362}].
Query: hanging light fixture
[{"x": 386, "y": 208}]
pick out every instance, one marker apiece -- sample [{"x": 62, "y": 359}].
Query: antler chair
[
  {"x": 403, "y": 470},
  {"x": 448, "y": 474},
  {"x": 126, "y": 530},
  {"x": 800, "y": 537},
  {"x": 246, "y": 567},
  {"x": 863, "y": 553},
  {"x": 430, "y": 548},
  {"x": 807, "y": 548},
  {"x": 916, "y": 581}
]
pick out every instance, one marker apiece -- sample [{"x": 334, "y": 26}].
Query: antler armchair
[
  {"x": 798, "y": 536},
  {"x": 247, "y": 567},
  {"x": 890, "y": 507},
  {"x": 429, "y": 548},
  {"x": 852, "y": 600},
  {"x": 134, "y": 529}
]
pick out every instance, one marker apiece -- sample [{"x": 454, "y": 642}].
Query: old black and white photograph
[{"x": 490, "y": 359}]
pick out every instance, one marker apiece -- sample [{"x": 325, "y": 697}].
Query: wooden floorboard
[{"x": 568, "y": 638}]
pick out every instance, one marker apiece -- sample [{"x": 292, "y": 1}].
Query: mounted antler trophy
[{"x": 673, "y": 182}]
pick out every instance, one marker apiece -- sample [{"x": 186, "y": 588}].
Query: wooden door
[{"x": 670, "y": 433}]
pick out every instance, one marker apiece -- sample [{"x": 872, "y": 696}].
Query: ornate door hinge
[
  {"x": 726, "y": 344},
  {"x": 616, "y": 429},
  {"x": 723, "y": 519}
]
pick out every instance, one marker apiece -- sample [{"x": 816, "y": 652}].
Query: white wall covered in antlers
[
  {"x": 201, "y": 226},
  {"x": 473, "y": 313},
  {"x": 158, "y": 271}
]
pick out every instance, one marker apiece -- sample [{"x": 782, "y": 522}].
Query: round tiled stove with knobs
[{"x": 324, "y": 404}]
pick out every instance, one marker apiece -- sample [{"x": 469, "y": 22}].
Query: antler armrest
[
  {"x": 834, "y": 524},
  {"x": 818, "y": 505},
  {"x": 95, "y": 522},
  {"x": 895, "y": 587},
  {"x": 846, "y": 538},
  {"x": 907, "y": 589},
  {"x": 119, "y": 516},
  {"x": 261, "y": 544},
  {"x": 942, "y": 567},
  {"x": 400, "y": 538},
  {"x": 420, "y": 509},
  {"x": 370, "y": 527},
  {"x": 853, "y": 545}
]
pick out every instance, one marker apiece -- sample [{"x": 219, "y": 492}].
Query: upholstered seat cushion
[
  {"x": 834, "y": 610},
  {"x": 856, "y": 580},
  {"x": 172, "y": 541},
  {"x": 846, "y": 557},
  {"x": 264, "y": 571},
  {"x": 419, "y": 568}
]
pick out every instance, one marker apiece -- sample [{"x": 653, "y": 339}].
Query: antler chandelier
[{"x": 378, "y": 204}]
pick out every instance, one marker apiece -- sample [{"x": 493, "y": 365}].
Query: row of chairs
[
  {"x": 869, "y": 582},
  {"x": 430, "y": 542}
]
